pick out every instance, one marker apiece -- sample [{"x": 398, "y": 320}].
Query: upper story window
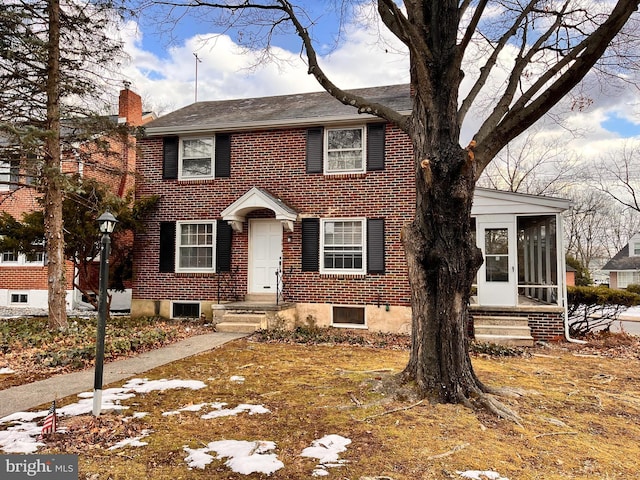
[
  {"x": 356, "y": 150},
  {"x": 8, "y": 174},
  {"x": 196, "y": 158},
  {"x": 345, "y": 150},
  {"x": 343, "y": 246},
  {"x": 195, "y": 249},
  {"x": 636, "y": 249},
  {"x": 9, "y": 257}
]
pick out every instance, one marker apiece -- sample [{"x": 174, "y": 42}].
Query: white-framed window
[
  {"x": 627, "y": 278},
  {"x": 195, "y": 246},
  {"x": 9, "y": 257},
  {"x": 5, "y": 175},
  {"x": 348, "y": 316},
  {"x": 636, "y": 249},
  {"x": 343, "y": 246},
  {"x": 18, "y": 298},
  {"x": 196, "y": 159},
  {"x": 34, "y": 257},
  {"x": 345, "y": 150}
]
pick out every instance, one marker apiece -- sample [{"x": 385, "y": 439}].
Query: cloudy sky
[{"x": 162, "y": 68}]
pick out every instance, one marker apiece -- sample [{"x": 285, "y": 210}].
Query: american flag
[{"x": 49, "y": 425}]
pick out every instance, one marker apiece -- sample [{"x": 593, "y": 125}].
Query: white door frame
[
  {"x": 498, "y": 292},
  {"x": 258, "y": 282}
]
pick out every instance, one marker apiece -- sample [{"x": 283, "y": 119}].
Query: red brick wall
[
  {"x": 30, "y": 278},
  {"x": 275, "y": 160}
]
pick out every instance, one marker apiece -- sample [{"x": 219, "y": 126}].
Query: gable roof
[
  {"x": 298, "y": 109},
  {"x": 622, "y": 261}
]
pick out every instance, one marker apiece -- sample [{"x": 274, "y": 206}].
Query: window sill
[
  {"x": 346, "y": 276},
  {"x": 350, "y": 325},
  {"x": 195, "y": 274},
  {"x": 195, "y": 181},
  {"x": 344, "y": 176}
]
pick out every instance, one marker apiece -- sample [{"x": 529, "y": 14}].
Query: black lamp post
[{"x": 107, "y": 223}]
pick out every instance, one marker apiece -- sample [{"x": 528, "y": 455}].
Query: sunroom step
[{"x": 509, "y": 340}]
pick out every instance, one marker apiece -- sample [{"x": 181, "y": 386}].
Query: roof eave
[{"x": 264, "y": 125}]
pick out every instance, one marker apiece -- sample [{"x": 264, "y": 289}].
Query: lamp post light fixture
[{"x": 106, "y": 222}]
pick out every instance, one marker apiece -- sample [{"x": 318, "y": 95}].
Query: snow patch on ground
[
  {"x": 132, "y": 442},
  {"x": 21, "y": 436},
  {"x": 481, "y": 475},
  {"x": 327, "y": 450},
  {"x": 6, "y": 371},
  {"x": 237, "y": 379},
  {"x": 243, "y": 457}
]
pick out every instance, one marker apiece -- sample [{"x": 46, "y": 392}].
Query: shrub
[
  {"x": 596, "y": 308},
  {"x": 633, "y": 288}
]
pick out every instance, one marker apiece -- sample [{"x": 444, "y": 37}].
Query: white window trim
[
  {"x": 5, "y": 170},
  {"x": 18, "y": 292},
  {"x": 178, "y": 245},
  {"x": 213, "y": 162},
  {"x": 333, "y": 271},
  {"x": 9, "y": 262},
  {"x": 325, "y": 150},
  {"x": 362, "y": 326},
  {"x": 632, "y": 252},
  {"x": 186, "y": 302}
]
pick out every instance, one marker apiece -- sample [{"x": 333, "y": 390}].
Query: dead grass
[{"x": 581, "y": 417}]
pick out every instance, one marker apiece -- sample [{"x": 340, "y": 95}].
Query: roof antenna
[{"x": 197, "y": 61}]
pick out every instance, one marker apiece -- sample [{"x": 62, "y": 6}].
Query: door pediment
[{"x": 256, "y": 199}]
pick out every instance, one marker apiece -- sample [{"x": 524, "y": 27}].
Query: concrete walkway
[{"x": 25, "y": 397}]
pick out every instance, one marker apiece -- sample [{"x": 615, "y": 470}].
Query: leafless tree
[
  {"x": 535, "y": 165},
  {"x": 539, "y": 49}
]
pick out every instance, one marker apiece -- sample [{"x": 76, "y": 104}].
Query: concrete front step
[
  {"x": 511, "y": 331},
  {"x": 503, "y": 330},
  {"x": 239, "y": 322},
  {"x": 230, "y": 327},
  {"x": 508, "y": 340},
  {"x": 496, "y": 320}
]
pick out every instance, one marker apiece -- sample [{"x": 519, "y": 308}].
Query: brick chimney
[{"x": 129, "y": 107}]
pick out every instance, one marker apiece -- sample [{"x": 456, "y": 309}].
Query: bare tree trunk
[{"x": 52, "y": 177}]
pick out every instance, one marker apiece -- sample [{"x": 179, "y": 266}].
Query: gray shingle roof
[
  {"x": 622, "y": 261},
  {"x": 295, "y": 109}
]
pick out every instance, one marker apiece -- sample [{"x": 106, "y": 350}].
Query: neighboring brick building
[
  {"x": 299, "y": 200},
  {"x": 23, "y": 280}
]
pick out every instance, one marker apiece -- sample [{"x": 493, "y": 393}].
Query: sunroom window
[
  {"x": 345, "y": 150},
  {"x": 343, "y": 246},
  {"x": 196, "y": 158}
]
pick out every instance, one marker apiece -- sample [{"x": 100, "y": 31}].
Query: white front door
[
  {"x": 497, "y": 275},
  {"x": 265, "y": 253}
]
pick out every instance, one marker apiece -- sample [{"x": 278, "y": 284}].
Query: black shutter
[
  {"x": 315, "y": 142},
  {"x": 223, "y": 155},
  {"x": 375, "y": 245},
  {"x": 167, "y": 247},
  {"x": 170, "y": 157},
  {"x": 223, "y": 246},
  {"x": 310, "y": 244},
  {"x": 375, "y": 146}
]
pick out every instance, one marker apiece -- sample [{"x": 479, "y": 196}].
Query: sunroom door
[{"x": 497, "y": 277}]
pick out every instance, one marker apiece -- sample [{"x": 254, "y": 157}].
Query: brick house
[
  {"x": 23, "y": 280},
  {"x": 289, "y": 209}
]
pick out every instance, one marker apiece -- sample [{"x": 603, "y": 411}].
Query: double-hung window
[
  {"x": 343, "y": 246},
  {"x": 636, "y": 249},
  {"x": 195, "y": 250},
  {"x": 196, "y": 158},
  {"x": 345, "y": 150}
]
